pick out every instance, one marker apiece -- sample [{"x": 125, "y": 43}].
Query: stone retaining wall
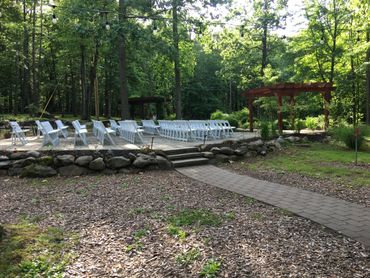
[{"x": 49, "y": 163}]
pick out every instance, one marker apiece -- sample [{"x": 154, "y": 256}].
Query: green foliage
[
  {"x": 210, "y": 268},
  {"x": 299, "y": 125},
  {"x": 177, "y": 232},
  {"x": 265, "y": 130},
  {"x": 346, "y": 134},
  {"x": 237, "y": 118},
  {"x": 198, "y": 217},
  {"x": 312, "y": 122},
  {"x": 188, "y": 257}
]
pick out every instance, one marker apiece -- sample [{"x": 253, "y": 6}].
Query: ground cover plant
[
  {"x": 198, "y": 230},
  {"x": 324, "y": 168}
]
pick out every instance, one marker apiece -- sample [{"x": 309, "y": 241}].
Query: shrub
[
  {"x": 265, "y": 130},
  {"x": 346, "y": 135},
  {"x": 274, "y": 129},
  {"x": 232, "y": 120},
  {"x": 299, "y": 125},
  {"x": 311, "y": 122},
  {"x": 219, "y": 115}
]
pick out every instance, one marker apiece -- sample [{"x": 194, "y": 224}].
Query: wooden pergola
[
  {"x": 290, "y": 90},
  {"x": 141, "y": 101}
]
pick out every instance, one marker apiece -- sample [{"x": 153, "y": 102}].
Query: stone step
[
  {"x": 190, "y": 162},
  {"x": 181, "y": 151},
  {"x": 182, "y": 156}
]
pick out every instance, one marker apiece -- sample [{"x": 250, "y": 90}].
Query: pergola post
[
  {"x": 292, "y": 107},
  {"x": 280, "y": 114},
  {"x": 250, "y": 108},
  {"x": 326, "y": 96}
]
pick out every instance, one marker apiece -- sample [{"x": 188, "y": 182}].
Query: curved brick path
[{"x": 347, "y": 218}]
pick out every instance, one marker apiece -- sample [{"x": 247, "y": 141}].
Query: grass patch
[
  {"x": 285, "y": 212},
  {"x": 210, "y": 268},
  {"x": 177, "y": 232},
  {"x": 197, "y": 217},
  {"x": 28, "y": 251},
  {"x": 257, "y": 216},
  {"x": 188, "y": 257},
  {"x": 320, "y": 161}
]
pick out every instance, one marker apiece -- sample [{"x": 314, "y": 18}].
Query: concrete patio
[{"x": 159, "y": 143}]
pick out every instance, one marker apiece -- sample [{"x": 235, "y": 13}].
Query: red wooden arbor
[{"x": 289, "y": 90}]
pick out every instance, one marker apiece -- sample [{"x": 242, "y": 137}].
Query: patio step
[
  {"x": 181, "y": 151},
  {"x": 181, "y": 156},
  {"x": 190, "y": 162}
]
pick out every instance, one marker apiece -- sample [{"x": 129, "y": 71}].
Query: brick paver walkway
[{"x": 347, "y": 218}]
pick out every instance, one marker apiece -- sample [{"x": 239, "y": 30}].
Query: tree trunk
[
  {"x": 107, "y": 104},
  {"x": 176, "y": 59},
  {"x": 73, "y": 91},
  {"x": 84, "y": 109},
  {"x": 334, "y": 47},
  {"x": 93, "y": 81},
  {"x": 368, "y": 80},
  {"x": 264, "y": 50},
  {"x": 39, "y": 71},
  {"x": 125, "y": 111},
  {"x": 34, "y": 66},
  {"x": 25, "y": 98}
]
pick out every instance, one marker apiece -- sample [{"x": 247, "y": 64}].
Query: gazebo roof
[
  {"x": 148, "y": 99},
  {"x": 290, "y": 89}
]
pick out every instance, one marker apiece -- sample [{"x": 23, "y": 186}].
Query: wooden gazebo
[{"x": 290, "y": 90}]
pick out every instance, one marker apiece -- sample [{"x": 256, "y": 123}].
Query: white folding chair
[
  {"x": 102, "y": 132},
  {"x": 114, "y": 126},
  {"x": 80, "y": 131},
  {"x": 63, "y": 128},
  {"x": 130, "y": 132},
  {"x": 50, "y": 135},
  {"x": 18, "y": 133},
  {"x": 150, "y": 127}
]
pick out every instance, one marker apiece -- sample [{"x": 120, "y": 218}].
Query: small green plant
[
  {"x": 257, "y": 216},
  {"x": 265, "y": 130},
  {"x": 166, "y": 197},
  {"x": 250, "y": 200},
  {"x": 285, "y": 212},
  {"x": 140, "y": 233},
  {"x": 299, "y": 125},
  {"x": 177, "y": 232},
  {"x": 311, "y": 122},
  {"x": 210, "y": 268},
  {"x": 188, "y": 257},
  {"x": 230, "y": 215},
  {"x": 346, "y": 134},
  {"x": 199, "y": 217},
  {"x": 124, "y": 185},
  {"x": 274, "y": 128}
]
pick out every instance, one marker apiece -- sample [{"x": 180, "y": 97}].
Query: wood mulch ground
[{"x": 253, "y": 240}]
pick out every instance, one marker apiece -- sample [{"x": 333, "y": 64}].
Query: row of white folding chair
[
  {"x": 101, "y": 132},
  {"x": 18, "y": 133},
  {"x": 150, "y": 127},
  {"x": 80, "y": 131},
  {"x": 177, "y": 130},
  {"x": 200, "y": 130},
  {"x": 130, "y": 131},
  {"x": 227, "y": 129}
]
